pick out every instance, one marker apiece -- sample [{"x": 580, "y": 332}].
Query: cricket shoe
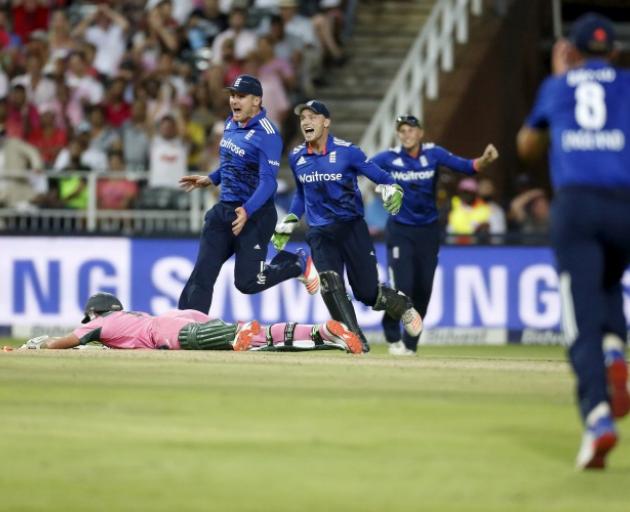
[
  {"x": 412, "y": 322},
  {"x": 617, "y": 374},
  {"x": 339, "y": 333},
  {"x": 309, "y": 276},
  {"x": 599, "y": 438},
  {"x": 398, "y": 348},
  {"x": 244, "y": 336}
]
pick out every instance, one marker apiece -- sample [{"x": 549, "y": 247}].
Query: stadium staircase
[{"x": 383, "y": 33}]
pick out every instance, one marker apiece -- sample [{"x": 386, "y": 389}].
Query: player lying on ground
[{"x": 107, "y": 323}]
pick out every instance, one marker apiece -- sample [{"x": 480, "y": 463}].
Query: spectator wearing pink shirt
[
  {"x": 277, "y": 77},
  {"x": 106, "y": 322}
]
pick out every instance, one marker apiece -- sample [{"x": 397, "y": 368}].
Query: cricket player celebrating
[
  {"x": 244, "y": 219},
  {"x": 413, "y": 236},
  {"x": 326, "y": 170},
  {"x": 107, "y": 323},
  {"x": 585, "y": 108}
]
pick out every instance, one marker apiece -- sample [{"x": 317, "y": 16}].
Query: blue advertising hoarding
[{"x": 45, "y": 281}]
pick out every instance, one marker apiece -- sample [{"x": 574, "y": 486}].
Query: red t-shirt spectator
[
  {"x": 117, "y": 114},
  {"x": 16, "y": 121},
  {"x": 26, "y": 20},
  {"x": 49, "y": 144}
]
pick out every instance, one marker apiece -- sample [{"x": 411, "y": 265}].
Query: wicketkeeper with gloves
[
  {"x": 326, "y": 170},
  {"x": 413, "y": 235}
]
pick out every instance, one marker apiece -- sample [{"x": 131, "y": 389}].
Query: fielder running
[
  {"x": 413, "y": 235},
  {"x": 326, "y": 170},
  {"x": 242, "y": 222},
  {"x": 585, "y": 109},
  {"x": 106, "y": 322}
]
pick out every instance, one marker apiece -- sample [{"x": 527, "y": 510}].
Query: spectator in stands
[
  {"x": 49, "y": 138},
  {"x": 277, "y": 77},
  {"x": 92, "y": 158},
  {"x": 302, "y": 29},
  {"x": 469, "y": 215},
  {"x": 168, "y": 153},
  {"x": 202, "y": 106},
  {"x": 101, "y": 135},
  {"x": 117, "y": 110},
  {"x": 209, "y": 21},
  {"x": 24, "y": 162},
  {"x": 285, "y": 46},
  {"x": 163, "y": 26},
  {"x": 40, "y": 89},
  {"x": 60, "y": 41},
  {"x": 116, "y": 193},
  {"x": 496, "y": 222},
  {"x": 22, "y": 116},
  {"x": 105, "y": 29},
  {"x": 244, "y": 39},
  {"x": 529, "y": 212},
  {"x": 135, "y": 138},
  {"x": 85, "y": 89},
  {"x": 194, "y": 136},
  {"x": 28, "y": 16}
]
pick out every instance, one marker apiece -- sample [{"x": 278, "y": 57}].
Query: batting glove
[
  {"x": 283, "y": 231},
  {"x": 35, "y": 343},
  {"x": 392, "y": 197}
]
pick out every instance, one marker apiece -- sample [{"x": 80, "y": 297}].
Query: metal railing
[
  {"x": 431, "y": 52},
  {"x": 27, "y": 218}
]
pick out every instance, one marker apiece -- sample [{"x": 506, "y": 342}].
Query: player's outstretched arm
[
  {"x": 194, "y": 181},
  {"x": 46, "y": 342}
]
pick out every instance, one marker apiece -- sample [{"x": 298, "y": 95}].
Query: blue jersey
[
  {"x": 418, "y": 178},
  {"x": 327, "y": 183},
  {"x": 587, "y": 111},
  {"x": 250, "y": 159}
]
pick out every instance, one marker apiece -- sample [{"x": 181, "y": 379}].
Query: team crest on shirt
[
  {"x": 250, "y": 134},
  {"x": 398, "y": 162},
  {"x": 333, "y": 157},
  {"x": 423, "y": 161},
  {"x": 301, "y": 161}
]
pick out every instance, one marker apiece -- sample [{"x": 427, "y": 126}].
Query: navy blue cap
[
  {"x": 315, "y": 106},
  {"x": 246, "y": 84},
  {"x": 593, "y": 33}
]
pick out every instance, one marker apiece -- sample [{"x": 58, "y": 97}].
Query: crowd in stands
[{"x": 137, "y": 86}]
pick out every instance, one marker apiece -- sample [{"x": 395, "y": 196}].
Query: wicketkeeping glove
[
  {"x": 392, "y": 197},
  {"x": 35, "y": 343},
  {"x": 283, "y": 231}
]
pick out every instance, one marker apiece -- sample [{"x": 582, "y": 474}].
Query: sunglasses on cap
[{"x": 410, "y": 120}]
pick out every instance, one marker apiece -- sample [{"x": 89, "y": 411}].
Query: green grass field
[{"x": 456, "y": 429}]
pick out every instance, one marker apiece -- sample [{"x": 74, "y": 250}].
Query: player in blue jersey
[
  {"x": 585, "y": 109},
  {"x": 326, "y": 170},
  {"x": 413, "y": 236},
  {"x": 242, "y": 222}
]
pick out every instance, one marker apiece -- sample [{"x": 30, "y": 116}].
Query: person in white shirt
[
  {"x": 105, "y": 29},
  {"x": 84, "y": 88},
  {"x": 168, "y": 154},
  {"x": 39, "y": 89},
  {"x": 244, "y": 40}
]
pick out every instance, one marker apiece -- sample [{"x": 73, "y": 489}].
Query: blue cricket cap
[
  {"x": 593, "y": 33},
  {"x": 314, "y": 106},
  {"x": 246, "y": 84}
]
